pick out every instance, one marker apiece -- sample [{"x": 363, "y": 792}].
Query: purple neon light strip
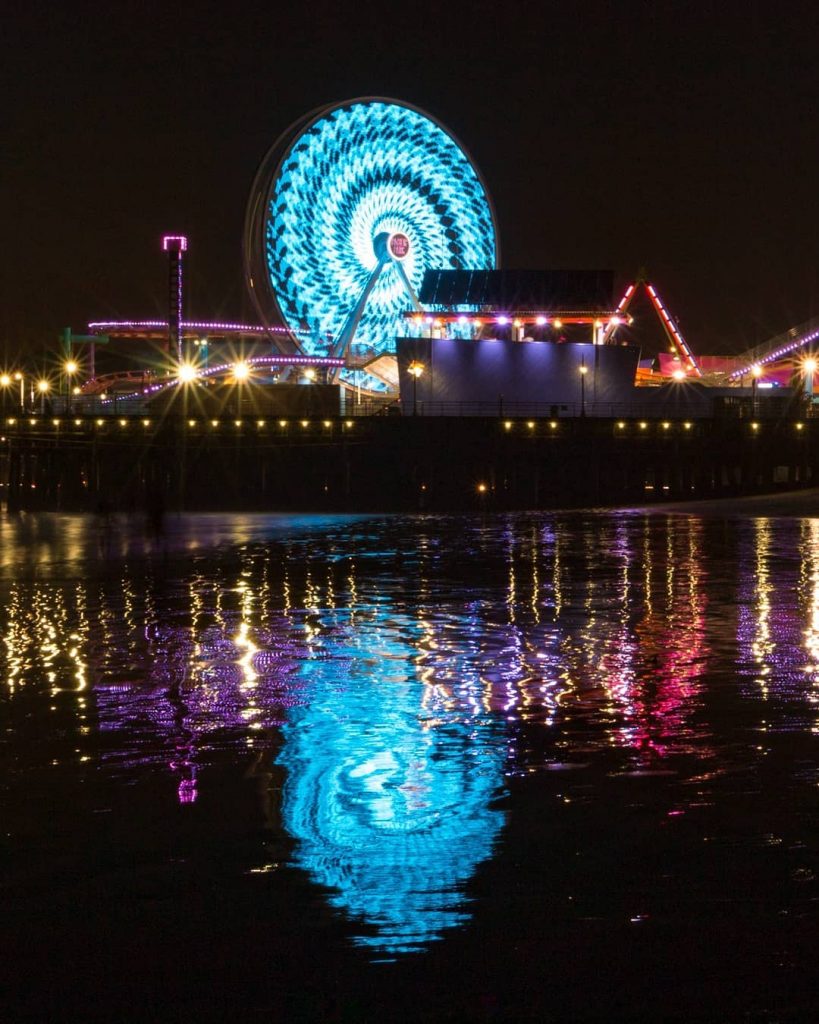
[
  {"x": 223, "y": 367},
  {"x": 193, "y": 324},
  {"x": 776, "y": 354}
]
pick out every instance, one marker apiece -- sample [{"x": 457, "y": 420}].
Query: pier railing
[{"x": 762, "y": 409}]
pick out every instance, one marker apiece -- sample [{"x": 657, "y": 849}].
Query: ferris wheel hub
[{"x": 391, "y": 245}]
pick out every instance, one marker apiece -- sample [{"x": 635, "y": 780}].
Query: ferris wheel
[{"x": 348, "y": 210}]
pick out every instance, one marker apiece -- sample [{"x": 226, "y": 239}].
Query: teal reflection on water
[{"x": 389, "y": 795}]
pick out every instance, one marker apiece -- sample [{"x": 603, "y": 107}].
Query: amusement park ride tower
[{"x": 175, "y": 246}]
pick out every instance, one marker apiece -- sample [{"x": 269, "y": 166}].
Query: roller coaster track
[{"x": 777, "y": 347}]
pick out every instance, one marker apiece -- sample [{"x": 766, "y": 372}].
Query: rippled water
[{"x": 411, "y": 768}]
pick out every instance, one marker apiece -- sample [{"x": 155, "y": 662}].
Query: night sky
[{"x": 683, "y": 137}]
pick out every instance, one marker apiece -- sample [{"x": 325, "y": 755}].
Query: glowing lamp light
[
  {"x": 557, "y": 323},
  {"x": 305, "y": 423},
  {"x": 687, "y": 425},
  {"x": 809, "y": 365},
  {"x": 241, "y": 371},
  {"x": 186, "y": 373},
  {"x": 77, "y": 423},
  {"x": 553, "y": 424},
  {"x": 327, "y": 423},
  {"x": 462, "y": 319},
  {"x": 482, "y": 488},
  {"x": 43, "y": 386},
  {"x": 146, "y": 423},
  {"x": 237, "y": 423},
  {"x": 541, "y": 321},
  {"x": 615, "y": 321},
  {"x": 260, "y": 424},
  {"x": 678, "y": 375},
  {"x": 666, "y": 425},
  {"x": 100, "y": 423},
  {"x": 508, "y": 425},
  {"x": 800, "y": 426},
  {"x": 310, "y": 373},
  {"x": 621, "y": 425},
  {"x": 643, "y": 425},
  {"x": 518, "y": 323},
  {"x": 5, "y": 380},
  {"x": 71, "y": 367},
  {"x": 282, "y": 423},
  {"x": 214, "y": 423},
  {"x": 415, "y": 369},
  {"x": 530, "y": 424},
  {"x": 502, "y": 320},
  {"x": 191, "y": 423},
  {"x": 123, "y": 423},
  {"x": 583, "y": 369},
  {"x": 348, "y": 423},
  {"x": 756, "y": 370}
]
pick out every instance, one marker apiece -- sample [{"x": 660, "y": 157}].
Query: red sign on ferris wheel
[{"x": 398, "y": 245}]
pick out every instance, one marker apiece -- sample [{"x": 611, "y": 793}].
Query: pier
[{"x": 394, "y": 463}]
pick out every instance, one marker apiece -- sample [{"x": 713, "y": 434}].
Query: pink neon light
[
  {"x": 678, "y": 338},
  {"x": 182, "y": 242}
]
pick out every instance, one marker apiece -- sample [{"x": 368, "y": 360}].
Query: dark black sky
[{"x": 679, "y": 136}]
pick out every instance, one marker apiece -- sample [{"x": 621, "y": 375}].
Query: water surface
[{"x": 537, "y": 766}]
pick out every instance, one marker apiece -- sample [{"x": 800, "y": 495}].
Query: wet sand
[{"x": 787, "y": 503}]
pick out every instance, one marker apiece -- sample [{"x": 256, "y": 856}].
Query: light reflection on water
[{"x": 398, "y": 672}]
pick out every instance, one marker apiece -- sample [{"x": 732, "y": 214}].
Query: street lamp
[
  {"x": 70, "y": 368},
  {"x": 415, "y": 369},
  {"x": 756, "y": 373},
  {"x": 583, "y": 371},
  {"x": 185, "y": 374},
  {"x": 43, "y": 387},
  {"x": 808, "y": 369},
  {"x": 5, "y": 384},
  {"x": 241, "y": 372}
]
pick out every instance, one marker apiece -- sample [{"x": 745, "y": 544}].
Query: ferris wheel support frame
[{"x": 347, "y": 334}]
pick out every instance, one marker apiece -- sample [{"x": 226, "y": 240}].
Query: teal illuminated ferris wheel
[{"x": 348, "y": 210}]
